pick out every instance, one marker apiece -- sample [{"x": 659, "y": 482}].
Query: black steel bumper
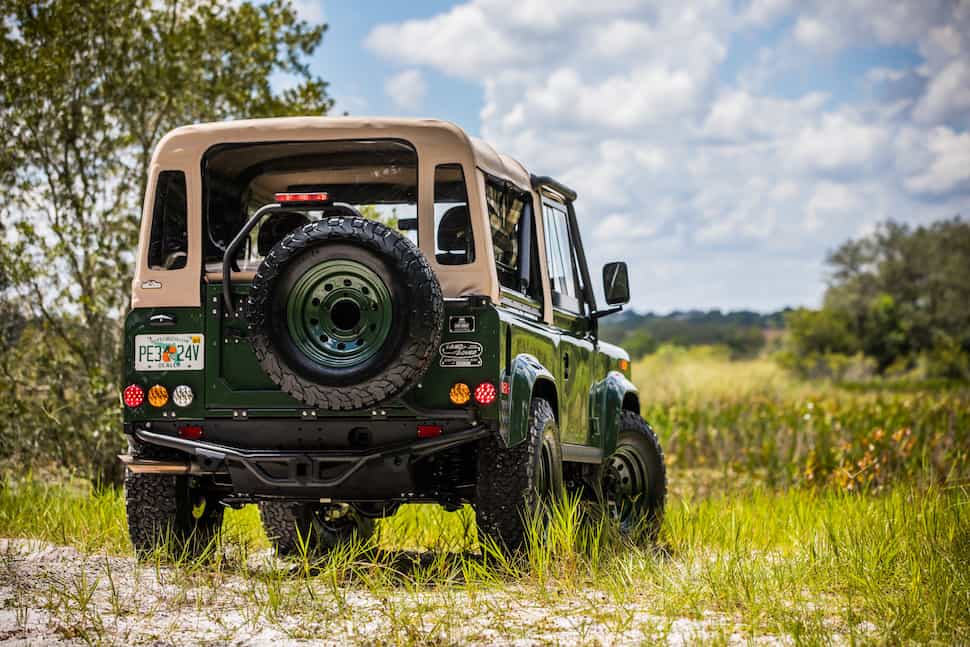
[{"x": 380, "y": 473}]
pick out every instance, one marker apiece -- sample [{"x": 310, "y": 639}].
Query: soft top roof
[{"x": 447, "y": 139}]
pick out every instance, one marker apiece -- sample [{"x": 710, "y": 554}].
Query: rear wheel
[
  {"x": 169, "y": 512},
  {"x": 320, "y": 527},
  {"x": 515, "y": 482},
  {"x": 634, "y": 479}
]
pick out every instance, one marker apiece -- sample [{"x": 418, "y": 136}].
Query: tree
[
  {"x": 86, "y": 91},
  {"x": 898, "y": 296}
]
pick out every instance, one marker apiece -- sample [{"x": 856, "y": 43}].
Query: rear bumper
[{"x": 398, "y": 471}]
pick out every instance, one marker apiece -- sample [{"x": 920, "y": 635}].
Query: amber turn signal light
[
  {"x": 460, "y": 394},
  {"x": 158, "y": 396}
]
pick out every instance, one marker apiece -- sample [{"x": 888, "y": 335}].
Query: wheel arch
[
  {"x": 528, "y": 379},
  {"x": 609, "y": 398}
]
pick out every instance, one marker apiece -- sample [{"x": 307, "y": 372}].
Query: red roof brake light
[{"x": 302, "y": 198}]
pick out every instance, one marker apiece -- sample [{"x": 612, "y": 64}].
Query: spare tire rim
[
  {"x": 625, "y": 484},
  {"x": 339, "y": 313}
]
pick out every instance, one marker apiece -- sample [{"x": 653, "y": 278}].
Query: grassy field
[{"x": 800, "y": 512}]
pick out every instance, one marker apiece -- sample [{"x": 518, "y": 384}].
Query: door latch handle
[
  {"x": 161, "y": 320},
  {"x": 565, "y": 366}
]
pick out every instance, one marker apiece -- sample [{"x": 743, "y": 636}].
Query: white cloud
[
  {"x": 462, "y": 41},
  {"x": 840, "y": 143},
  {"x": 950, "y": 168},
  {"x": 728, "y": 190},
  {"x": 407, "y": 89},
  {"x": 947, "y": 95}
]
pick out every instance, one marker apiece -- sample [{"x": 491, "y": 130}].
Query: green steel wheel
[
  {"x": 339, "y": 313},
  {"x": 634, "y": 479}
]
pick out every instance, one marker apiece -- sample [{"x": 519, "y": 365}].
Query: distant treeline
[
  {"x": 744, "y": 331},
  {"x": 897, "y": 304}
]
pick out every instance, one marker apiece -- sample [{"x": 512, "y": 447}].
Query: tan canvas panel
[{"x": 437, "y": 142}]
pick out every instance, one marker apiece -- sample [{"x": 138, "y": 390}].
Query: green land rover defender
[{"x": 334, "y": 316}]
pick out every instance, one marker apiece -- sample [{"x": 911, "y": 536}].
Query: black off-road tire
[
  {"x": 406, "y": 354},
  {"x": 289, "y": 524},
  {"x": 514, "y": 483},
  {"x": 166, "y": 511},
  {"x": 637, "y": 439}
]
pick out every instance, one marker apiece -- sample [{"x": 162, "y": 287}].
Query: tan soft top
[
  {"x": 436, "y": 132},
  {"x": 437, "y": 142}
]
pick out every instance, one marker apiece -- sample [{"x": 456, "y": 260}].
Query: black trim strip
[{"x": 581, "y": 453}]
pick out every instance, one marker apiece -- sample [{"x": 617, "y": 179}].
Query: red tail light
[
  {"x": 133, "y": 396},
  {"x": 429, "y": 431},
  {"x": 191, "y": 432},
  {"x": 485, "y": 393}
]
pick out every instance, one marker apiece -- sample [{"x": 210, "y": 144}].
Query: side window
[
  {"x": 559, "y": 256},
  {"x": 454, "y": 243},
  {"x": 168, "y": 246},
  {"x": 513, "y": 238}
]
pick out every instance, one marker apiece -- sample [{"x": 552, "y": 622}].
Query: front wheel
[{"x": 634, "y": 479}]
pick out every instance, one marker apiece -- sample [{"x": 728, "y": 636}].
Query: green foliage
[
  {"x": 86, "y": 91},
  {"x": 899, "y": 296}
]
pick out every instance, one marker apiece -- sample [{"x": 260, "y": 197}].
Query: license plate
[{"x": 169, "y": 352}]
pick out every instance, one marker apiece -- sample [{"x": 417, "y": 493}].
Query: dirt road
[{"x": 54, "y": 594}]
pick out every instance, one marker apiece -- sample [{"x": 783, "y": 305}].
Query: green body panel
[
  {"x": 138, "y": 322},
  {"x": 516, "y": 346}
]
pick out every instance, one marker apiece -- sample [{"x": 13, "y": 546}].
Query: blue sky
[{"x": 720, "y": 148}]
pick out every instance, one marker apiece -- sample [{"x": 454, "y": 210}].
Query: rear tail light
[
  {"x": 133, "y": 396},
  {"x": 191, "y": 432},
  {"x": 460, "y": 394},
  {"x": 182, "y": 395},
  {"x": 158, "y": 396},
  {"x": 429, "y": 431},
  {"x": 485, "y": 393}
]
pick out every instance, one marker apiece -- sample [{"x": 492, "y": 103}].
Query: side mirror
[{"x": 616, "y": 283}]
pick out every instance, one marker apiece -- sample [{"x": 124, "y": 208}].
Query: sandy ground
[{"x": 54, "y": 594}]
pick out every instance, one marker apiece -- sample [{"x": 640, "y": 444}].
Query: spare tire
[{"x": 345, "y": 313}]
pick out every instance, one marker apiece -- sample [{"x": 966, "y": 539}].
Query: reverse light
[
  {"x": 429, "y": 431},
  {"x": 460, "y": 394},
  {"x": 182, "y": 395},
  {"x": 290, "y": 198},
  {"x": 158, "y": 396},
  {"x": 133, "y": 396},
  {"x": 485, "y": 393}
]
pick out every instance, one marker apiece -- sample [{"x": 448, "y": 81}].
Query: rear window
[
  {"x": 378, "y": 178},
  {"x": 168, "y": 245}
]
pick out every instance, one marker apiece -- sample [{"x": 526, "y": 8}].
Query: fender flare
[
  {"x": 608, "y": 398},
  {"x": 525, "y": 376}
]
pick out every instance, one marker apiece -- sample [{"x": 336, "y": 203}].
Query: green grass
[
  {"x": 808, "y": 563},
  {"x": 800, "y": 509}
]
